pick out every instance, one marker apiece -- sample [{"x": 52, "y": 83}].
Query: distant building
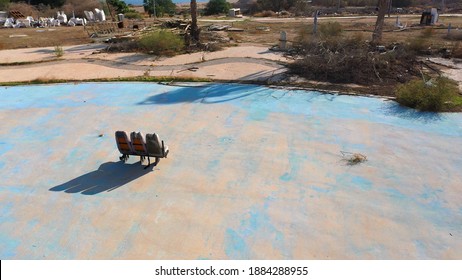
[{"x": 235, "y": 12}]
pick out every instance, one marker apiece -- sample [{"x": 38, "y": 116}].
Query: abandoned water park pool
[{"x": 253, "y": 173}]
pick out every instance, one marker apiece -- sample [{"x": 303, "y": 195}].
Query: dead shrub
[
  {"x": 427, "y": 33},
  {"x": 330, "y": 29},
  {"x": 46, "y": 10},
  {"x": 457, "y": 50},
  {"x": 79, "y": 6},
  {"x": 353, "y": 158},
  {"x": 357, "y": 39},
  {"x": 422, "y": 43},
  {"x": 265, "y": 14},
  {"x": 25, "y": 9},
  {"x": 350, "y": 60},
  {"x": 418, "y": 45},
  {"x": 124, "y": 46},
  {"x": 455, "y": 35}
]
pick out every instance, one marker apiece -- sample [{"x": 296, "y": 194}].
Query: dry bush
[
  {"x": 79, "y": 6},
  {"x": 422, "y": 43},
  {"x": 330, "y": 29},
  {"x": 351, "y": 60},
  {"x": 455, "y": 35},
  {"x": 357, "y": 38},
  {"x": 457, "y": 50},
  {"x": 46, "y": 10},
  {"x": 427, "y": 32},
  {"x": 353, "y": 158},
  {"x": 124, "y": 46},
  {"x": 25, "y": 9},
  {"x": 265, "y": 14}
]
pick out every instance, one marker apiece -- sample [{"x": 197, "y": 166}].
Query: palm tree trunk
[
  {"x": 194, "y": 28},
  {"x": 377, "y": 35}
]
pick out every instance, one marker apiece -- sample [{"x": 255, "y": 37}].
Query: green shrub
[
  {"x": 433, "y": 96},
  {"x": 214, "y": 7},
  {"x": 59, "y": 52},
  {"x": 161, "y": 43},
  {"x": 133, "y": 15}
]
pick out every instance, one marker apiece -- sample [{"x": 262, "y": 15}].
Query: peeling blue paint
[
  {"x": 286, "y": 177},
  {"x": 347, "y": 180},
  {"x": 5, "y": 147},
  {"x": 320, "y": 190},
  {"x": 5, "y": 211},
  {"x": 225, "y": 140},
  {"x": 421, "y": 250},
  {"x": 396, "y": 194},
  {"x": 256, "y": 225},
  {"x": 126, "y": 243},
  {"x": 295, "y": 160},
  {"x": 362, "y": 182},
  {"x": 311, "y": 112},
  {"x": 235, "y": 246},
  {"x": 8, "y": 246}
]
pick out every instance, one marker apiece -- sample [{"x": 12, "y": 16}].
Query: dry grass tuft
[{"x": 353, "y": 158}]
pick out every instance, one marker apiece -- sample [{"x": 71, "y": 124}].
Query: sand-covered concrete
[
  {"x": 87, "y": 62},
  {"x": 253, "y": 173}
]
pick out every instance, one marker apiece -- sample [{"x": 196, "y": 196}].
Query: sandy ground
[
  {"x": 86, "y": 62},
  {"x": 453, "y": 68}
]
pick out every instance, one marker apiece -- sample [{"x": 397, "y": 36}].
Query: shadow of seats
[{"x": 108, "y": 177}]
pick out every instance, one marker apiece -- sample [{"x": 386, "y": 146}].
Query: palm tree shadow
[
  {"x": 108, "y": 177},
  {"x": 213, "y": 94}
]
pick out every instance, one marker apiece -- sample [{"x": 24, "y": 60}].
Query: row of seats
[{"x": 152, "y": 147}]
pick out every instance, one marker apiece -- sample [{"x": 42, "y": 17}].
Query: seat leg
[
  {"x": 149, "y": 163},
  {"x": 157, "y": 161}
]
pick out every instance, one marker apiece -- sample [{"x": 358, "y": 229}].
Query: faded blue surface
[
  {"x": 261, "y": 99},
  {"x": 66, "y": 188}
]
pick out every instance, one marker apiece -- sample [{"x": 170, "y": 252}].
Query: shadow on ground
[
  {"x": 209, "y": 95},
  {"x": 108, "y": 177},
  {"x": 403, "y": 112}
]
